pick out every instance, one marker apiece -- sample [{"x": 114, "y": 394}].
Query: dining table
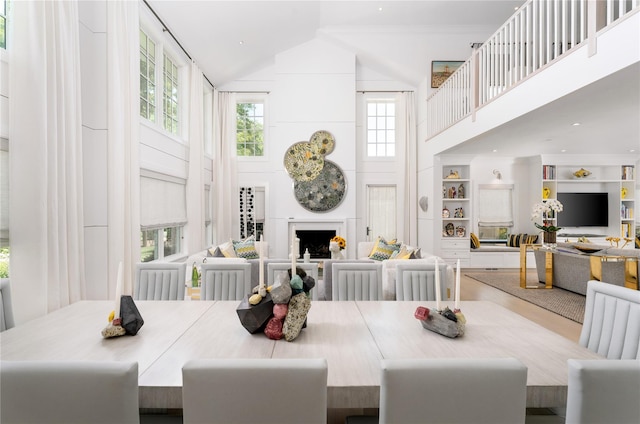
[{"x": 353, "y": 336}]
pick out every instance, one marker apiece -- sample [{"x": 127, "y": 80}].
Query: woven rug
[{"x": 562, "y": 302}]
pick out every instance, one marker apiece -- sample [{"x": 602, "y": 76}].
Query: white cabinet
[
  {"x": 455, "y": 214},
  {"x": 617, "y": 181}
]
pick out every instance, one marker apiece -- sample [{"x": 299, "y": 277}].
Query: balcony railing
[{"x": 538, "y": 34}]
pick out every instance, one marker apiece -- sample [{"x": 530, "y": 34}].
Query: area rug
[{"x": 562, "y": 302}]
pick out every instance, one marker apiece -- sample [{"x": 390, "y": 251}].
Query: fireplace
[{"x": 317, "y": 241}]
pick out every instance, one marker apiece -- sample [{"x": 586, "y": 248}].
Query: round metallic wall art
[{"x": 323, "y": 193}]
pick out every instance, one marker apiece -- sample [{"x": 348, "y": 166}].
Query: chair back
[
  {"x": 225, "y": 281},
  {"x": 612, "y": 321},
  {"x": 159, "y": 281},
  {"x": 416, "y": 281},
  {"x": 453, "y": 391},
  {"x": 6, "y": 305},
  {"x": 255, "y": 391},
  {"x": 275, "y": 268},
  {"x": 357, "y": 281},
  {"x": 69, "y": 392},
  {"x": 603, "y": 391}
]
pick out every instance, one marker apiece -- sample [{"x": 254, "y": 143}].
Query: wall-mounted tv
[{"x": 584, "y": 210}]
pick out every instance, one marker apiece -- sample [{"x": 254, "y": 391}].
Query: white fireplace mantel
[{"x": 309, "y": 224}]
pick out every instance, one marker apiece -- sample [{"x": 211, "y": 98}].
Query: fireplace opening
[{"x": 317, "y": 241}]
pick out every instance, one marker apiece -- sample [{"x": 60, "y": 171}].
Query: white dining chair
[
  {"x": 69, "y": 392},
  {"x": 255, "y": 391},
  {"x": 159, "y": 281},
  {"x": 310, "y": 268},
  {"x": 603, "y": 391},
  {"x": 6, "y": 305},
  {"x": 453, "y": 391},
  {"x": 415, "y": 280},
  {"x": 225, "y": 281},
  {"x": 611, "y": 325},
  {"x": 356, "y": 281}
]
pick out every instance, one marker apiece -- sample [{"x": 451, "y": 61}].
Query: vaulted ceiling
[{"x": 230, "y": 39}]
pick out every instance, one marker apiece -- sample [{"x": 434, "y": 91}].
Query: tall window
[
  {"x": 158, "y": 69},
  {"x": 381, "y": 128},
  {"x": 495, "y": 215},
  {"x": 147, "y": 77},
  {"x": 250, "y": 128},
  {"x": 3, "y": 24},
  {"x": 159, "y": 243},
  {"x": 170, "y": 95}
]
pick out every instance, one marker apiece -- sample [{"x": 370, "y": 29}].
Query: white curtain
[
  {"x": 195, "y": 184},
  {"x": 225, "y": 164},
  {"x": 409, "y": 191},
  {"x": 123, "y": 119},
  {"x": 45, "y": 158}
]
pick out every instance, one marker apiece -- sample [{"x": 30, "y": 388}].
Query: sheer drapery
[
  {"x": 46, "y": 198},
  {"x": 123, "y": 118},
  {"x": 195, "y": 185},
  {"x": 409, "y": 191},
  {"x": 225, "y": 172}
]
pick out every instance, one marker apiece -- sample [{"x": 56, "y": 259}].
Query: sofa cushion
[
  {"x": 227, "y": 250},
  {"x": 383, "y": 249},
  {"x": 246, "y": 248}
]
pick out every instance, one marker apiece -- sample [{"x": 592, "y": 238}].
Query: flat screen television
[{"x": 584, "y": 210}]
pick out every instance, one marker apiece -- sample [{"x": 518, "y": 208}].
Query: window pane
[
  {"x": 171, "y": 241},
  {"x": 250, "y": 129},
  {"x": 371, "y": 149},
  {"x": 148, "y": 245},
  {"x": 380, "y": 128},
  {"x": 170, "y": 95}
]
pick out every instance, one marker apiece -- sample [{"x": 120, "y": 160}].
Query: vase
[{"x": 549, "y": 239}]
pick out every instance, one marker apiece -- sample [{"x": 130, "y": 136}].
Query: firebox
[{"x": 316, "y": 241}]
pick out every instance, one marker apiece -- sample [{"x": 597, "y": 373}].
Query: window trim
[
  {"x": 255, "y": 97},
  {"x": 391, "y": 97}
]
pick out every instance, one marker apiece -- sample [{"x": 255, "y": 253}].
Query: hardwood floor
[{"x": 471, "y": 289}]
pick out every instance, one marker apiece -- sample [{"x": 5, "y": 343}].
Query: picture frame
[{"x": 442, "y": 69}]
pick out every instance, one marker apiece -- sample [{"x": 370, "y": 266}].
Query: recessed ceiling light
[
  {"x": 241, "y": 42},
  {"x": 575, "y": 124},
  {"x": 516, "y": 8},
  {"x": 563, "y": 150},
  {"x": 380, "y": 9},
  {"x": 632, "y": 150},
  {"x": 495, "y": 150}
]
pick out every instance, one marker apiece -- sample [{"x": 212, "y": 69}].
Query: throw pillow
[
  {"x": 227, "y": 250},
  {"x": 246, "y": 248},
  {"x": 383, "y": 249},
  {"x": 516, "y": 239},
  {"x": 475, "y": 241},
  {"x": 217, "y": 253},
  {"x": 532, "y": 239}
]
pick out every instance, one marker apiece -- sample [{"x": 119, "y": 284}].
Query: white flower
[{"x": 543, "y": 209}]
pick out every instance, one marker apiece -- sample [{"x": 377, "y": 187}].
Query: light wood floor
[{"x": 475, "y": 290}]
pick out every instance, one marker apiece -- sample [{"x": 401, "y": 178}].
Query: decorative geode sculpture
[
  {"x": 444, "y": 322},
  {"x": 282, "y": 313}
]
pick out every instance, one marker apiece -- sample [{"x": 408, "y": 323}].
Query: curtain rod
[{"x": 165, "y": 28}]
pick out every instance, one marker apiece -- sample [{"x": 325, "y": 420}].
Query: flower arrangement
[
  {"x": 546, "y": 210},
  {"x": 342, "y": 243}
]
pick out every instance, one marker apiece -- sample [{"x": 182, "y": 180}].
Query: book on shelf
[{"x": 628, "y": 172}]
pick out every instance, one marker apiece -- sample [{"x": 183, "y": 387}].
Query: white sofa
[{"x": 389, "y": 269}]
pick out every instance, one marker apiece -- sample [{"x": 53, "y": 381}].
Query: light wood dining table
[{"x": 352, "y": 336}]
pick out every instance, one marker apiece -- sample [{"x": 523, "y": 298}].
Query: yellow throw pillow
[
  {"x": 475, "y": 241},
  {"x": 383, "y": 249}
]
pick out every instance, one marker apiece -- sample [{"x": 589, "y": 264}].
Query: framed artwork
[{"x": 442, "y": 69}]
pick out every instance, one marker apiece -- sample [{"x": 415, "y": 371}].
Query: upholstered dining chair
[
  {"x": 160, "y": 281},
  {"x": 473, "y": 391},
  {"x": 356, "y": 281},
  {"x": 255, "y": 391},
  {"x": 611, "y": 325},
  {"x": 603, "y": 391},
  {"x": 416, "y": 281},
  {"x": 6, "y": 306},
  {"x": 311, "y": 268},
  {"x": 69, "y": 392},
  {"x": 225, "y": 281}
]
